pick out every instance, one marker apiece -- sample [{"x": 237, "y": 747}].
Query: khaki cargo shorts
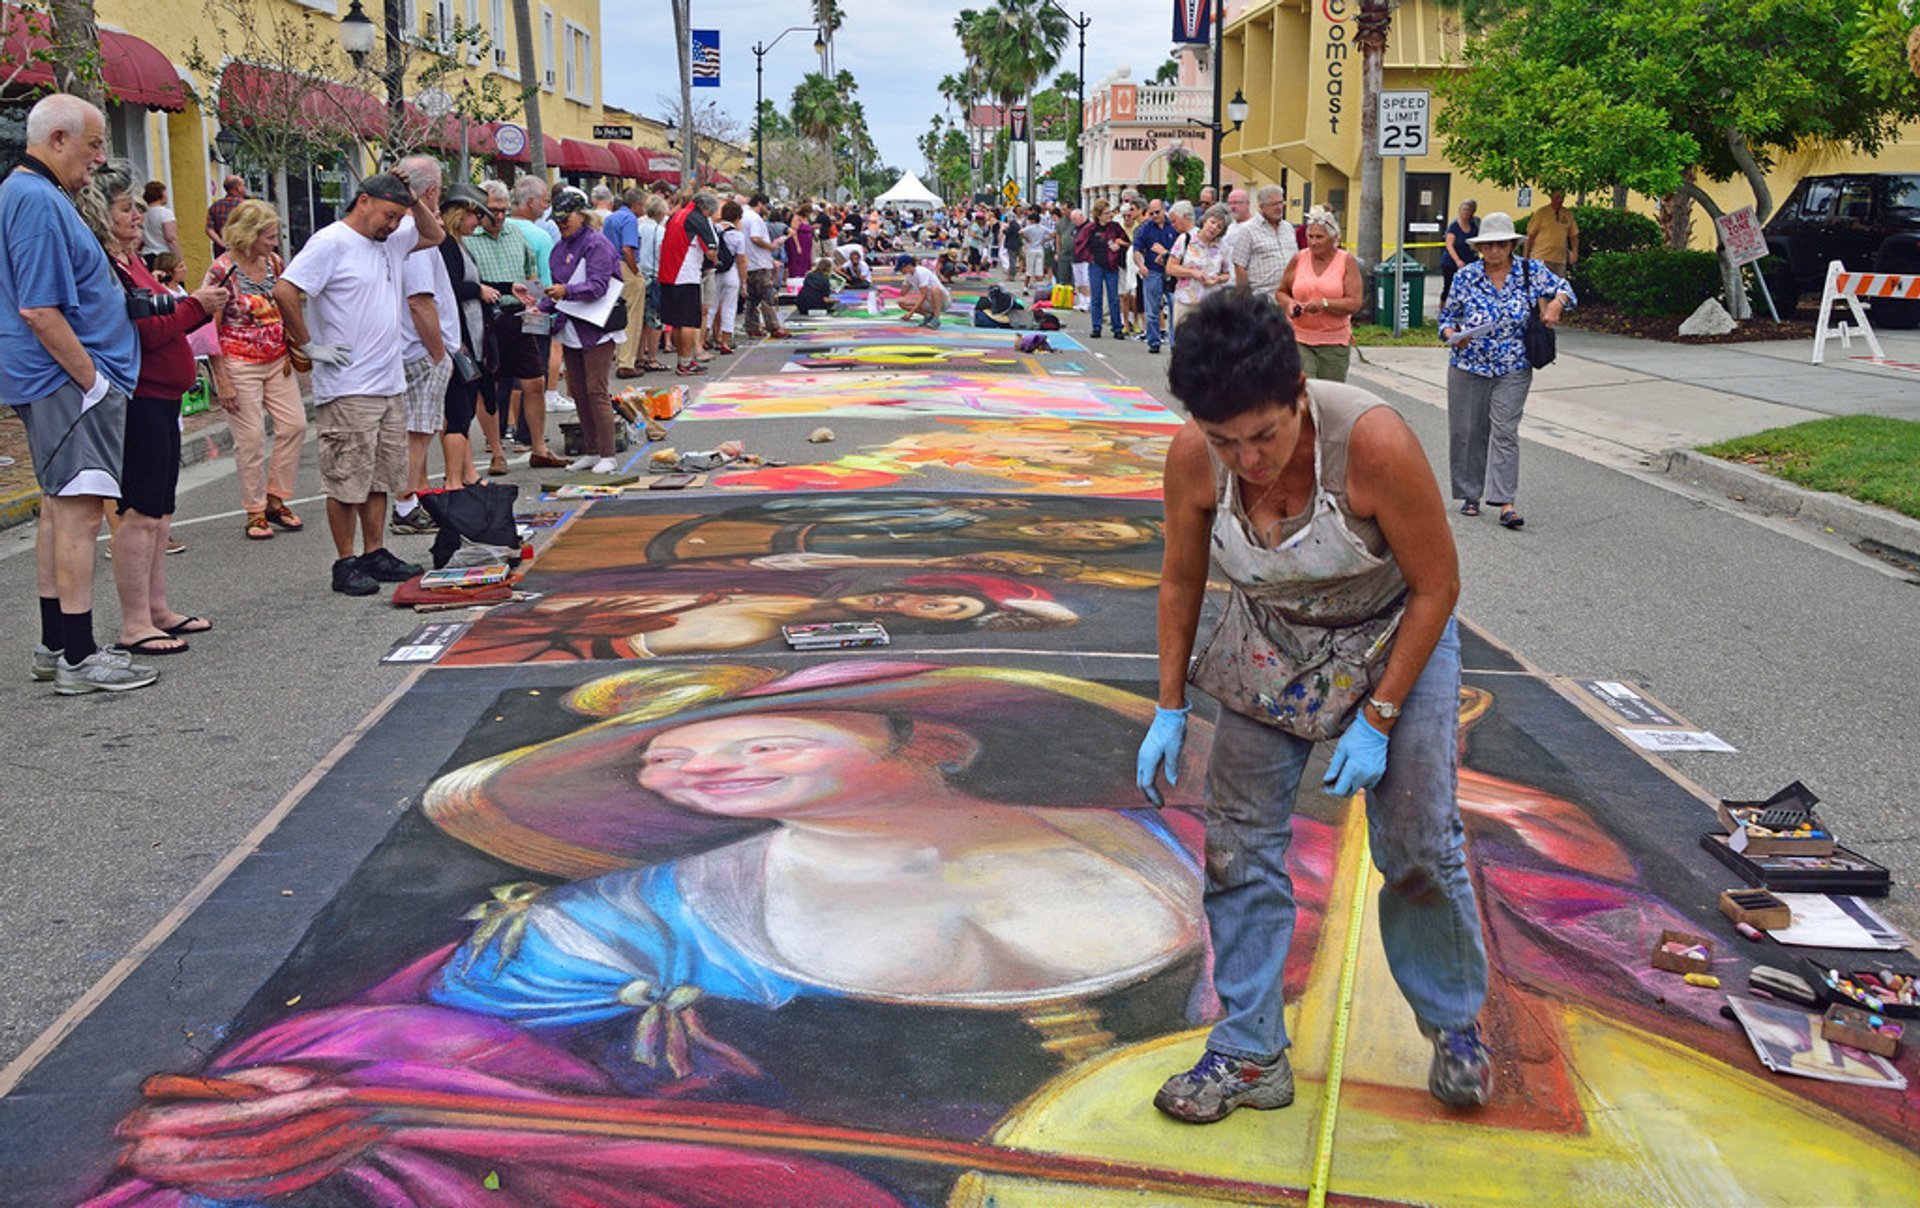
[{"x": 363, "y": 445}]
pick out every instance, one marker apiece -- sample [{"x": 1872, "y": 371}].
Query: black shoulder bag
[{"x": 1538, "y": 337}]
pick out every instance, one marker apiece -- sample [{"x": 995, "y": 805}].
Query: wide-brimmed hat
[
  {"x": 573, "y": 806},
  {"x": 464, "y": 195},
  {"x": 1496, "y": 227}
]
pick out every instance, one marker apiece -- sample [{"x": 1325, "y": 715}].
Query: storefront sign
[
  {"x": 615, "y": 134},
  {"x": 510, "y": 139},
  {"x": 1335, "y": 55}
]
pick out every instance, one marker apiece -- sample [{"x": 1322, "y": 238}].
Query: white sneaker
[
  {"x": 582, "y": 463},
  {"x": 604, "y": 466},
  {"x": 104, "y": 670},
  {"x": 557, "y": 401}
]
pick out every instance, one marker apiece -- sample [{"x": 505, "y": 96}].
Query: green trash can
[{"x": 1413, "y": 291}]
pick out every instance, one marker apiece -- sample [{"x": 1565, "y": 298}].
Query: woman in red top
[
  {"x": 150, "y": 469},
  {"x": 252, "y": 374}
]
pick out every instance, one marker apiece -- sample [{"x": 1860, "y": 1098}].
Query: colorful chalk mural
[
  {"x": 1059, "y": 456},
  {"x": 871, "y": 395},
  {"x": 848, "y": 934},
  {"x": 925, "y": 567},
  {"x": 914, "y": 357}
]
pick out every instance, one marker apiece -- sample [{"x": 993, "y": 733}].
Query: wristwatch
[{"x": 1385, "y": 708}]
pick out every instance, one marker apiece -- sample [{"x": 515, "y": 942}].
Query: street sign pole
[{"x": 1403, "y": 132}]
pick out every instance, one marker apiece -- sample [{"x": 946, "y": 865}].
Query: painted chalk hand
[
  {"x": 1358, "y": 762},
  {"x": 337, "y": 355},
  {"x": 248, "y": 1134},
  {"x": 1160, "y": 752}
]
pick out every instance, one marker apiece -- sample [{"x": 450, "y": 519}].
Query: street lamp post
[
  {"x": 356, "y": 38},
  {"x": 1080, "y": 94},
  {"x": 759, "y": 97}
]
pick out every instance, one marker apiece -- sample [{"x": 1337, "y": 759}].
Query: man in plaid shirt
[{"x": 1262, "y": 247}]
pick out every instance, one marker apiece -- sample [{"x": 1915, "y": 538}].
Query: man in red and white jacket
[{"x": 689, "y": 243}]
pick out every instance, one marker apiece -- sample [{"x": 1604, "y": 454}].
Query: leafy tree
[
  {"x": 61, "y": 36},
  {"x": 1018, "y": 42},
  {"x": 1655, "y": 94},
  {"x": 773, "y": 123},
  {"x": 1167, "y": 73}
]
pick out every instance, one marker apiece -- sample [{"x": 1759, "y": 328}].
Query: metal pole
[
  {"x": 1219, "y": 133},
  {"x": 1400, "y": 255},
  {"x": 1080, "y": 112},
  {"x": 396, "y": 103},
  {"x": 759, "y": 118},
  {"x": 466, "y": 160}
]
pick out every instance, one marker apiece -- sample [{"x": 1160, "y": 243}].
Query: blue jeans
[
  {"x": 1154, "y": 285},
  {"x": 1105, "y": 283},
  {"x": 1429, "y": 921}
]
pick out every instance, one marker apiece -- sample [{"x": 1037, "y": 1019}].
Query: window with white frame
[
  {"x": 440, "y": 25},
  {"x": 502, "y": 48},
  {"x": 579, "y": 64},
  {"x": 472, "y": 22},
  {"x": 547, "y": 64}
]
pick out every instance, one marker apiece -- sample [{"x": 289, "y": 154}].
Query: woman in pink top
[{"x": 1321, "y": 292}]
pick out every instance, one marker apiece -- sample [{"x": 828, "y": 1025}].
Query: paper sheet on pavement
[{"x": 1834, "y": 921}]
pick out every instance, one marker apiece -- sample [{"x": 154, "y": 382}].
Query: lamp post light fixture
[
  {"x": 356, "y": 38},
  {"x": 356, "y": 34},
  {"x": 226, "y": 145},
  {"x": 759, "y": 96}
]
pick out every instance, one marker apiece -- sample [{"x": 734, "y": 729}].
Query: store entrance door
[{"x": 1427, "y": 217}]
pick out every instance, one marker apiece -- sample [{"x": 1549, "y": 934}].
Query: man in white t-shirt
[
  {"x": 933, "y": 295},
  {"x": 350, "y": 276},
  {"x": 763, "y": 290},
  {"x": 1034, "y": 238}
]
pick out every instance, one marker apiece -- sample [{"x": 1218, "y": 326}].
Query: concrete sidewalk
[{"x": 1641, "y": 406}]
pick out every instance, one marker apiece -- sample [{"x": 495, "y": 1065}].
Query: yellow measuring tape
[{"x": 1349, "y": 963}]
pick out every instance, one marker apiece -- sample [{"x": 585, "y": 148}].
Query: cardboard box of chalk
[
  {"x": 1755, "y": 908},
  {"x": 1852, "y": 1027},
  {"x": 1678, "y": 952},
  {"x": 1762, "y": 841}
]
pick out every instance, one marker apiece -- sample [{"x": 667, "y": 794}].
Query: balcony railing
[{"x": 1171, "y": 103}]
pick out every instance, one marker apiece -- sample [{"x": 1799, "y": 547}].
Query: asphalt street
[{"x": 1799, "y": 653}]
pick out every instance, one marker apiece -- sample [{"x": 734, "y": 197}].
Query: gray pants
[{"x": 1483, "y": 429}]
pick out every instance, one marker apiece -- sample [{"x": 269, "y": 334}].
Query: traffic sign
[
  {"x": 1741, "y": 232},
  {"x": 1403, "y": 122},
  {"x": 1049, "y": 190},
  {"x": 510, "y": 139},
  {"x": 1011, "y": 191}
]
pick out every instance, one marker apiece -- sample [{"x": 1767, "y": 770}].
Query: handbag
[
  {"x": 1541, "y": 344},
  {"x": 465, "y": 365}
]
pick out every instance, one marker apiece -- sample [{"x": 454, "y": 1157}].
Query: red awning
[
  {"x": 135, "y": 71},
  {"x": 633, "y": 165},
  {"x": 579, "y": 156},
  {"x": 662, "y": 167},
  {"x": 252, "y": 94}
]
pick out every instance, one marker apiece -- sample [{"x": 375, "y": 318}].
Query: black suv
[{"x": 1869, "y": 221}]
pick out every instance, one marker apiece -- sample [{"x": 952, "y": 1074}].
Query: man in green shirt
[{"x": 504, "y": 257}]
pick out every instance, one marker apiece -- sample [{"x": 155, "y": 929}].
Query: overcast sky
[{"x": 896, "y": 49}]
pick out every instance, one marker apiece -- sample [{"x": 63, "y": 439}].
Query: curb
[
  {"x": 1848, "y": 517},
  {"x": 204, "y": 444}
]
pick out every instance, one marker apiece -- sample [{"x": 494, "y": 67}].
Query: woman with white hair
[
  {"x": 1320, "y": 292},
  {"x": 1198, "y": 261}
]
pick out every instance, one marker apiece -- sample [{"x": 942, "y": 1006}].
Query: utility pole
[{"x": 529, "y": 82}]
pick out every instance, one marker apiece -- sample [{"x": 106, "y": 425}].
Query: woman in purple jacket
[{"x": 583, "y": 268}]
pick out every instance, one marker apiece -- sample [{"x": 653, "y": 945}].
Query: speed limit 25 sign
[{"x": 1403, "y": 122}]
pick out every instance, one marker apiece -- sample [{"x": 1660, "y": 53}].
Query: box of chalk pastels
[
  {"x": 1857, "y": 1029},
  {"x": 1678, "y": 952},
  {"x": 1782, "y": 825},
  {"x": 1840, "y": 871}
]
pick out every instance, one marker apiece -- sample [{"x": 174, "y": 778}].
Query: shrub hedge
[{"x": 1652, "y": 281}]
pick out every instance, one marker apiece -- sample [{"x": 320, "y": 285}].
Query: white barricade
[{"x": 1843, "y": 286}]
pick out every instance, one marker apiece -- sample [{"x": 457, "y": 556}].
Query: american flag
[{"x": 706, "y": 58}]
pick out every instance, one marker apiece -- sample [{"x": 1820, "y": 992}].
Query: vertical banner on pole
[
  {"x": 1192, "y": 21},
  {"x": 1017, "y": 123},
  {"x": 706, "y": 58}
]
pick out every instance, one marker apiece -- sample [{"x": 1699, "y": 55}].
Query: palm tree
[
  {"x": 828, "y": 17},
  {"x": 1018, "y": 43},
  {"x": 817, "y": 110},
  {"x": 1370, "y": 35}
]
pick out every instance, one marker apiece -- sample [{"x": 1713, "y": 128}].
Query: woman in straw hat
[{"x": 1484, "y": 319}]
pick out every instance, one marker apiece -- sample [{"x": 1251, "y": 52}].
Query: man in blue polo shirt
[
  {"x": 1152, "y": 240},
  {"x": 69, "y": 358}
]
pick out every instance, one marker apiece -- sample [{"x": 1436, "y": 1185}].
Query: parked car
[{"x": 1869, "y": 221}]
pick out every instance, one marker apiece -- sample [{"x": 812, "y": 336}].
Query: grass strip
[{"x": 1866, "y": 457}]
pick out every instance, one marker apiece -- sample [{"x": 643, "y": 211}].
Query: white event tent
[{"x": 911, "y": 193}]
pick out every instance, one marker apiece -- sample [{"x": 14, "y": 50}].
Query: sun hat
[
  {"x": 464, "y": 195},
  {"x": 569, "y": 201},
  {"x": 572, "y": 806},
  {"x": 1496, "y": 227}
]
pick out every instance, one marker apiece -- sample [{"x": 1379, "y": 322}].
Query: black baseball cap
[{"x": 385, "y": 186}]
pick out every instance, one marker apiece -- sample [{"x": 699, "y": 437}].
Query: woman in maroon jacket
[{"x": 150, "y": 470}]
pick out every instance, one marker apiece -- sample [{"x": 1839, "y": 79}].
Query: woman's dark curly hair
[{"x": 1234, "y": 353}]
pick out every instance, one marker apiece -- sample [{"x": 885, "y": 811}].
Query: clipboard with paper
[{"x": 596, "y": 312}]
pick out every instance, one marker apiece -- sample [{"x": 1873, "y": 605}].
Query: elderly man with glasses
[{"x": 506, "y": 259}]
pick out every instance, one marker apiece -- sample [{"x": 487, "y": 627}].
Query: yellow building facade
[
  {"x": 180, "y": 149},
  {"x": 1296, "y": 64}
]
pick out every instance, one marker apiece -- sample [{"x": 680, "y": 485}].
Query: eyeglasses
[{"x": 493, "y": 213}]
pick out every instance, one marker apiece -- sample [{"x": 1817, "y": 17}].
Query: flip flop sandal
[
  {"x": 1512, "y": 519},
  {"x": 159, "y": 643},
  {"x": 284, "y": 520},
  {"x": 1470, "y": 507},
  {"x": 190, "y": 625}
]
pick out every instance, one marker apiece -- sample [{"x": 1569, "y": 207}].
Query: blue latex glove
[
  {"x": 1359, "y": 761},
  {"x": 1160, "y": 751}
]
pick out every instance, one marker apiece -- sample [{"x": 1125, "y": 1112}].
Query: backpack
[{"x": 723, "y": 256}]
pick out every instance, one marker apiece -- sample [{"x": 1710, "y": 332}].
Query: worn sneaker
[
  {"x": 1462, "y": 1070},
  {"x": 1220, "y": 1083},
  {"x": 351, "y": 579},
  {"x": 105, "y": 670},
  {"x": 382, "y": 565},
  {"x": 606, "y": 465},
  {"x": 43, "y": 663},
  {"x": 582, "y": 463},
  {"x": 416, "y": 521}
]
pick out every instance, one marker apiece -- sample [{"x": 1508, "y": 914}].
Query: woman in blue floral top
[{"x": 1483, "y": 319}]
